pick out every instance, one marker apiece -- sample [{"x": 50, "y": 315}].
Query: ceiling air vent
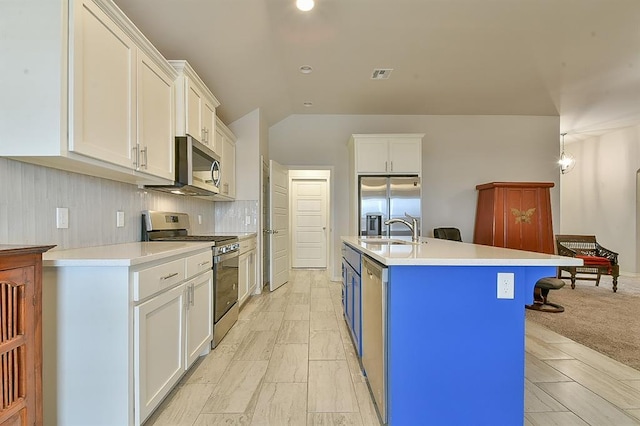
[{"x": 381, "y": 73}]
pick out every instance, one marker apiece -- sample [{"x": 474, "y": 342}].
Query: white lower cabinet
[
  {"x": 119, "y": 334},
  {"x": 247, "y": 278},
  {"x": 199, "y": 313},
  {"x": 158, "y": 348},
  {"x": 243, "y": 281}
]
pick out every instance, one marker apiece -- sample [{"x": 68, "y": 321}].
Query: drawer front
[
  {"x": 152, "y": 280},
  {"x": 248, "y": 244},
  {"x": 353, "y": 257},
  {"x": 199, "y": 263}
]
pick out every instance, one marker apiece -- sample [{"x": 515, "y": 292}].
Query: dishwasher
[{"x": 374, "y": 331}]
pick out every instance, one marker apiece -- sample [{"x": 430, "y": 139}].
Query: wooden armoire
[
  {"x": 515, "y": 215},
  {"x": 21, "y": 335}
]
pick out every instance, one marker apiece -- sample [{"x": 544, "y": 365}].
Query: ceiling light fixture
[
  {"x": 566, "y": 160},
  {"x": 306, "y": 69},
  {"x": 305, "y": 5}
]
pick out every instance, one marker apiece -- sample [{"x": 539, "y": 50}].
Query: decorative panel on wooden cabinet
[
  {"x": 515, "y": 215},
  {"x": 21, "y": 334},
  {"x": 103, "y": 92}
]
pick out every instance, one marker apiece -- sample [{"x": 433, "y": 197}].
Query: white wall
[
  {"x": 599, "y": 195},
  {"x": 247, "y": 132},
  {"x": 29, "y": 195},
  {"x": 458, "y": 152}
]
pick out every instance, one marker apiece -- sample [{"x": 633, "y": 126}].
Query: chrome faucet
[{"x": 413, "y": 226}]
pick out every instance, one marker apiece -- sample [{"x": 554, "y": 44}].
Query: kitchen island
[{"x": 452, "y": 339}]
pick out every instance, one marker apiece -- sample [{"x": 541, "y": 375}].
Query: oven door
[{"x": 225, "y": 272}]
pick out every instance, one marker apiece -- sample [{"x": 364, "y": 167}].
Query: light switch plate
[
  {"x": 199, "y": 219},
  {"x": 505, "y": 285},
  {"x": 119, "y": 219},
  {"x": 62, "y": 217}
]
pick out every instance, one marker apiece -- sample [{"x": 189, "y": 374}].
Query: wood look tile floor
[{"x": 289, "y": 360}]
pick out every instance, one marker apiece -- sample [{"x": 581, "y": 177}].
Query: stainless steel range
[{"x": 168, "y": 226}]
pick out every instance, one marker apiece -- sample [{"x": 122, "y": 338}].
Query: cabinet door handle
[
  {"x": 166, "y": 277},
  {"x": 203, "y": 263},
  {"x": 392, "y": 166},
  {"x": 143, "y": 157},
  {"x": 135, "y": 156},
  {"x": 193, "y": 293}
]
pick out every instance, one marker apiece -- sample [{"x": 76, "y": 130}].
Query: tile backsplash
[
  {"x": 237, "y": 216},
  {"x": 30, "y": 194}
]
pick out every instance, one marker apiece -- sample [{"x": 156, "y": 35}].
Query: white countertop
[
  {"x": 241, "y": 235},
  {"x": 433, "y": 251},
  {"x": 128, "y": 254}
]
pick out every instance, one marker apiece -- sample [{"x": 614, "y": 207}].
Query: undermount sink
[{"x": 383, "y": 240}]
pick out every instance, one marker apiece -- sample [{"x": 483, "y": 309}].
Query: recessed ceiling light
[
  {"x": 306, "y": 69},
  {"x": 308, "y": 104},
  {"x": 304, "y": 5}
]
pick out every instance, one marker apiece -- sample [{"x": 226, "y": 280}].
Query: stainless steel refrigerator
[{"x": 387, "y": 197}]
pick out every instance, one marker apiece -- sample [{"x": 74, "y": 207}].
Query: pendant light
[{"x": 566, "y": 160}]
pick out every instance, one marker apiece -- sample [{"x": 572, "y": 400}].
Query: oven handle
[{"x": 222, "y": 257}]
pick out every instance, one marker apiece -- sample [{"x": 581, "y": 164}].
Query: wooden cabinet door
[
  {"x": 243, "y": 277},
  {"x": 372, "y": 156},
  {"x": 158, "y": 349},
  {"x": 357, "y": 307},
  {"x": 156, "y": 134},
  {"x": 199, "y": 331},
  {"x": 103, "y": 92},
  {"x": 20, "y": 374},
  {"x": 527, "y": 222},
  {"x": 228, "y": 167},
  {"x": 405, "y": 156},
  {"x": 194, "y": 112},
  {"x": 251, "y": 272},
  {"x": 208, "y": 123}
]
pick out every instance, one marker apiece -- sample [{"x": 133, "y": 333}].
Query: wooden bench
[{"x": 598, "y": 260}]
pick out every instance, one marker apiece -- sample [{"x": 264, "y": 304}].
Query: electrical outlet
[
  {"x": 505, "y": 285},
  {"x": 119, "y": 219},
  {"x": 247, "y": 220},
  {"x": 62, "y": 218}
]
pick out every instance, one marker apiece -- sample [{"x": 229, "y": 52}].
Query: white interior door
[
  {"x": 309, "y": 223},
  {"x": 279, "y": 222}
]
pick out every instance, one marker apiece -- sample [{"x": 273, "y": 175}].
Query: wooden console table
[{"x": 21, "y": 334}]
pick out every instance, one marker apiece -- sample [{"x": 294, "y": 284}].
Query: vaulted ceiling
[{"x": 579, "y": 59}]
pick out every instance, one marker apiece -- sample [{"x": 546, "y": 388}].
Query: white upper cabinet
[
  {"x": 388, "y": 154},
  {"x": 104, "y": 78},
  {"x": 195, "y": 106},
  {"x": 227, "y": 141},
  {"x": 156, "y": 113},
  {"x": 106, "y": 93}
]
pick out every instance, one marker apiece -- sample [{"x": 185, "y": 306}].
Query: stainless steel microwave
[{"x": 197, "y": 169}]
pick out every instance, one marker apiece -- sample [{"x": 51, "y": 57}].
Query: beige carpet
[{"x": 598, "y": 318}]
